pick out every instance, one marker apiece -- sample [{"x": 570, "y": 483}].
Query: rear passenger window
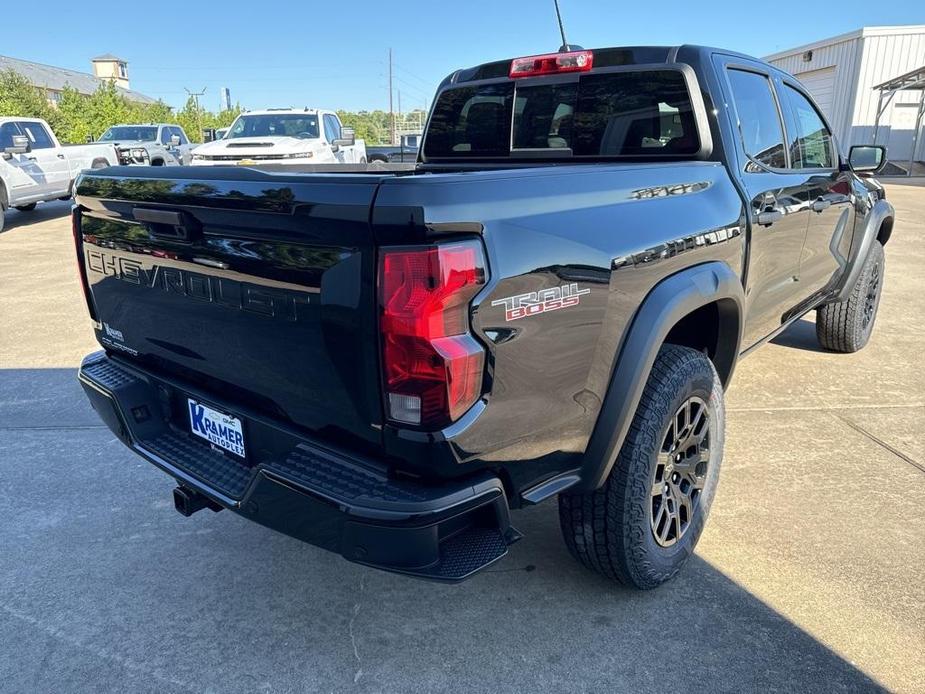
[
  {"x": 811, "y": 147},
  {"x": 759, "y": 120}
]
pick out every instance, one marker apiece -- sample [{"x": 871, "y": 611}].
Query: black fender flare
[
  {"x": 881, "y": 212},
  {"x": 667, "y": 303}
]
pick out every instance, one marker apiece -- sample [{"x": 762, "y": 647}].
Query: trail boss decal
[{"x": 534, "y": 303}]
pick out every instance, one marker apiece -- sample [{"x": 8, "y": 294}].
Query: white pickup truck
[
  {"x": 283, "y": 136},
  {"x": 35, "y": 167}
]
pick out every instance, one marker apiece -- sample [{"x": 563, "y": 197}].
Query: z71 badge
[{"x": 534, "y": 303}]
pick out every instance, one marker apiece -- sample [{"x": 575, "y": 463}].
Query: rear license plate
[{"x": 216, "y": 427}]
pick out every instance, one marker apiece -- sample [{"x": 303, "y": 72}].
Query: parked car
[
  {"x": 385, "y": 364},
  {"x": 35, "y": 167},
  {"x": 154, "y": 144},
  {"x": 283, "y": 136},
  {"x": 407, "y": 150}
]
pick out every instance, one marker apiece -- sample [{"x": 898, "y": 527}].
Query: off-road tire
[
  {"x": 609, "y": 530},
  {"x": 26, "y": 208},
  {"x": 846, "y": 326}
]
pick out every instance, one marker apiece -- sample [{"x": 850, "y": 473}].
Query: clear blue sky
[{"x": 287, "y": 53}]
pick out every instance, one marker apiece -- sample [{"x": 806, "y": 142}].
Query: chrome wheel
[{"x": 680, "y": 473}]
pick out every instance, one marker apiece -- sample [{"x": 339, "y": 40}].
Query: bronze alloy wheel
[{"x": 680, "y": 473}]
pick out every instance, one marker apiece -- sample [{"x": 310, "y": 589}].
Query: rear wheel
[
  {"x": 846, "y": 326},
  {"x": 641, "y": 526},
  {"x": 26, "y": 208},
  {"x": 2, "y": 215}
]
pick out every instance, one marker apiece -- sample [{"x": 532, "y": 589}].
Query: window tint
[
  {"x": 37, "y": 135},
  {"x": 544, "y": 116},
  {"x": 635, "y": 113},
  {"x": 759, "y": 121},
  {"x": 471, "y": 122},
  {"x": 165, "y": 135},
  {"x": 811, "y": 146},
  {"x": 129, "y": 132},
  {"x": 7, "y": 130}
]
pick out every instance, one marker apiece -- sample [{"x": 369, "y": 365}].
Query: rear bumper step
[{"x": 445, "y": 531}]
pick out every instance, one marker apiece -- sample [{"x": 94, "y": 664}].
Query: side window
[
  {"x": 37, "y": 135},
  {"x": 7, "y": 130},
  {"x": 331, "y": 127},
  {"x": 811, "y": 147},
  {"x": 165, "y": 135},
  {"x": 759, "y": 120},
  {"x": 178, "y": 131}
]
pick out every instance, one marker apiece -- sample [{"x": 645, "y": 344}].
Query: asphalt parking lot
[{"x": 810, "y": 575}]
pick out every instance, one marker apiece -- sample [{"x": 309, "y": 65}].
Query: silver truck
[{"x": 154, "y": 144}]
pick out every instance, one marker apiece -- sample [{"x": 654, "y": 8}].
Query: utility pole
[
  {"x": 399, "y": 107},
  {"x": 391, "y": 112},
  {"x": 196, "y": 96}
]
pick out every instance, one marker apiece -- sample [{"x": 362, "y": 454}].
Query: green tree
[
  {"x": 19, "y": 98},
  {"x": 69, "y": 120}
]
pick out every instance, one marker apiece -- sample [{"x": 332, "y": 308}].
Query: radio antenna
[{"x": 566, "y": 46}]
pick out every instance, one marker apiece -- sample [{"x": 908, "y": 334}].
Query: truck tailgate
[{"x": 257, "y": 287}]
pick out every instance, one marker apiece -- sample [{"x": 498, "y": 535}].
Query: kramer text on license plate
[{"x": 216, "y": 427}]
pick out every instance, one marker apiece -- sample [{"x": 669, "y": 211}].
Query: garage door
[{"x": 821, "y": 86}]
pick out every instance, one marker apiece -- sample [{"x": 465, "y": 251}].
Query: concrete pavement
[{"x": 810, "y": 575}]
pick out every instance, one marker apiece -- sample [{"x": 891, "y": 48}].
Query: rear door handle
[
  {"x": 821, "y": 204},
  {"x": 60, "y": 156},
  {"x": 32, "y": 158},
  {"x": 768, "y": 216}
]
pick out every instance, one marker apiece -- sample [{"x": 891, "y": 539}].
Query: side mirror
[
  {"x": 174, "y": 140},
  {"x": 867, "y": 158},
  {"x": 348, "y": 138},
  {"x": 21, "y": 145}
]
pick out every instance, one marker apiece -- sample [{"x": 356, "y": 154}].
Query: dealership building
[{"x": 856, "y": 75}]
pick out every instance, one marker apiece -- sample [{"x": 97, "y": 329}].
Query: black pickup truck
[
  {"x": 405, "y": 150},
  {"x": 550, "y": 302}
]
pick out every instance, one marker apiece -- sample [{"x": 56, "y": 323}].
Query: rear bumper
[{"x": 445, "y": 531}]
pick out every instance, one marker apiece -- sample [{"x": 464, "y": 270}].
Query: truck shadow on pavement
[
  {"x": 801, "y": 334},
  {"x": 42, "y": 213},
  {"x": 104, "y": 587}
]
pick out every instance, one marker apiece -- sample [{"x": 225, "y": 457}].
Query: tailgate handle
[{"x": 167, "y": 224}]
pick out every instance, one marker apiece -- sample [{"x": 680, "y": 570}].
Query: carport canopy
[{"x": 911, "y": 81}]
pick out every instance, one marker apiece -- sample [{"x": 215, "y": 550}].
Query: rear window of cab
[{"x": 635, "y": 113}]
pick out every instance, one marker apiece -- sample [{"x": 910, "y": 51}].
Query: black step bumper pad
[{"x": 443, "y": 531}]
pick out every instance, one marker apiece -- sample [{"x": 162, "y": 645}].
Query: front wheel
[
  {"x": 26, "y": 208},
  {"x": 641, "y": 526},
  {"x": 846, "y": 326}
]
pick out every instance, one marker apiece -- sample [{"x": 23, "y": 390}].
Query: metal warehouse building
[{"x": 842, "y": 74}]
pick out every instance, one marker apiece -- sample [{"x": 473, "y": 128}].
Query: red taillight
[
  {"x": 432, "y": 364},
  {"x": 552, "y": 63}
]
